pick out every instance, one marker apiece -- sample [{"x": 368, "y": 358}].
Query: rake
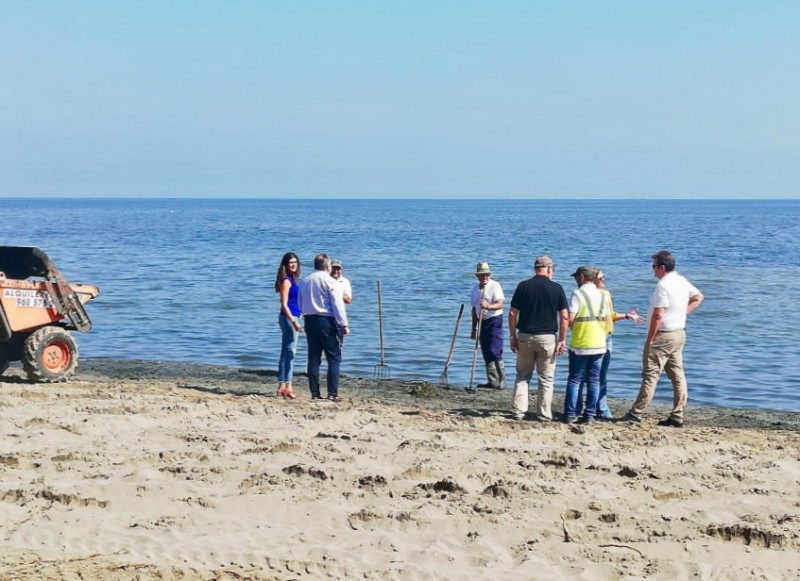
[
  {"x": 444, "y": 381},
  {"x": 381, "y": 370},
  {"x": 471, "y": 389}
]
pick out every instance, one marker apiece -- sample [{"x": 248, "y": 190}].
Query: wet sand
[{"x": 146, "y": 470}]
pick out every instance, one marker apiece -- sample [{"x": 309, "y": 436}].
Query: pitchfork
[{"x": 381, "y": 370}]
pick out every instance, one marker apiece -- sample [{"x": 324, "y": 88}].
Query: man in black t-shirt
[{"x": 539, "y": 312}]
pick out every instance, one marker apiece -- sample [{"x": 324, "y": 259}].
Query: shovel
[{"x": 443, "y": 379}]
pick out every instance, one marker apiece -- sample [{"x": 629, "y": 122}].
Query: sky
[{"x": 400, "y": 99}]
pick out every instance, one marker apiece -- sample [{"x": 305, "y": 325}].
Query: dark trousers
[
  {"x": 322, "y": 336},
  {"x": 492, "y": 339}
]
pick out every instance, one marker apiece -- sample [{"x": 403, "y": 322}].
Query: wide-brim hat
[{"x": 483, "y": 268}]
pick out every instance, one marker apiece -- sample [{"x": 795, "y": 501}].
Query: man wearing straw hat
[{"x": 487, "y": 301}]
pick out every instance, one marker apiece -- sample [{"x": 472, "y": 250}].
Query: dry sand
[{"x": 143, "y": 470}]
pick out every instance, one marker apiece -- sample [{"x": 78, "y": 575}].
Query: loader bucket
[
  {"x": 38, "y": 309},
  {"x": 35, "y": 293}
]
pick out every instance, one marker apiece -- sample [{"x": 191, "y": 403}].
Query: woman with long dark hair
[{"x": 286, "y": 285}]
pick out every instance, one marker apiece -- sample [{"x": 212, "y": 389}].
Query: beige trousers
[
  {"x": 535, "y": 352},
  {"x": 665, "y": 353}
]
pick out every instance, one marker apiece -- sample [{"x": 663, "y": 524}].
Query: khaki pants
[
  {"x": 664, "y": 354},
  {"x": 535, "y": 352}
]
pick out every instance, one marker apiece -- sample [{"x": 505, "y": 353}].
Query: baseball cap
[{"x": 588, "y": 271}]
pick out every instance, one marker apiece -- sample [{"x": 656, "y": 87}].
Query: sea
[{"x": 192, "y": 280}]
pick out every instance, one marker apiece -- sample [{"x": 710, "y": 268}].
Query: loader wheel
[
  {"x": 5, "y": 359},
  {"x": 49, "y": 354}
]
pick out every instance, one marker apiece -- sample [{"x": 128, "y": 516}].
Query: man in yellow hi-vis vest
[
  {"x": 603, "y": 411},
  {"x": 588, "y": 311}
]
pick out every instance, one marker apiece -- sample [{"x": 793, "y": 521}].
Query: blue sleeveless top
[{"x": 294, "y": 292}]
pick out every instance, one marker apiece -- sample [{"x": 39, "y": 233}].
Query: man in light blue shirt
[{"x": 323, "y": 309}]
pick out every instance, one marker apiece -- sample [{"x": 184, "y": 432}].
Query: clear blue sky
[{"x": 403, "y": 98}]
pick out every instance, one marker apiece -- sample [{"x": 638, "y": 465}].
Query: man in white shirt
[
  {"x": 337, "y": 272},
  {"x": 673, "y": 299},
  {"x": 324, "y": 314},
  {"x": 487, "y": 301}
]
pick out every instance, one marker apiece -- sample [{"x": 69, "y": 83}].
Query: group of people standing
[
  {"x": 320, "y": 298},
  {"x": 540, "y": 317},
  {"x": 538, "y": 320}
]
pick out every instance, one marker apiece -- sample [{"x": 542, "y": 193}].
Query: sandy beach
[{"x": 145, "y": 470}]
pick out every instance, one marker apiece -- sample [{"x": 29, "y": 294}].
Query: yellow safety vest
[
  {"x": 611, "y": 314},
  {"x": 589, "y": 325}
]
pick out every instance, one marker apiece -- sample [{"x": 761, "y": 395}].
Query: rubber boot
[
  {"x": 491, "y": 375},
  {"x": 500, "y": 368}
]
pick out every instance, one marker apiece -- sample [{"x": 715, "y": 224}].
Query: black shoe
[
  {"x": 630, "y": 418},
  {"x": 484, "y": 385},
  {"x": 570, "y": 420},
  {"x": 334, "y": 398},
  {"x": 671, "y": 422},
  {"x": 586, "y": 421}
]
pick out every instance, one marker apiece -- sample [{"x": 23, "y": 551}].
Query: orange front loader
[{"x": 38, "y": 309}]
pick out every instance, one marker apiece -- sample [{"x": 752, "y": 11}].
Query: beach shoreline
[
  {"x": 153, "y": 470},
  {"x": 249, "y": 381}
]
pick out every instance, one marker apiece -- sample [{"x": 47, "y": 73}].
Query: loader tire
[
  {"x": 5, "y": 359},
  {"x": 49, "y": 354}
]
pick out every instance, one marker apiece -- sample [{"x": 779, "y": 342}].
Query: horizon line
[{"x": 399, "y": 199}]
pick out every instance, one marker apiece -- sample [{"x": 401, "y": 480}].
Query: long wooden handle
[
  {"x": 475, "y": 353},
  {"x": 380, "y": 320},
  {"x": 455, "y": 336},
  {"x": 477, "y": 341}
]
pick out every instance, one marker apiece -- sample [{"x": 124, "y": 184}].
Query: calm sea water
[{"x": 191, "y": 280}]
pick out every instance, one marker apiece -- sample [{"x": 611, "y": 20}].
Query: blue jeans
[
  {"x": 582, "y": 367},
  {"x": 288, "y": 349},
  {"x": 603, "y": 411},
  {"x": 322, "y": 335}
]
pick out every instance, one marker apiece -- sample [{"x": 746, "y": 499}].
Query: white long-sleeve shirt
[{"x": 321, "y": 294}]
